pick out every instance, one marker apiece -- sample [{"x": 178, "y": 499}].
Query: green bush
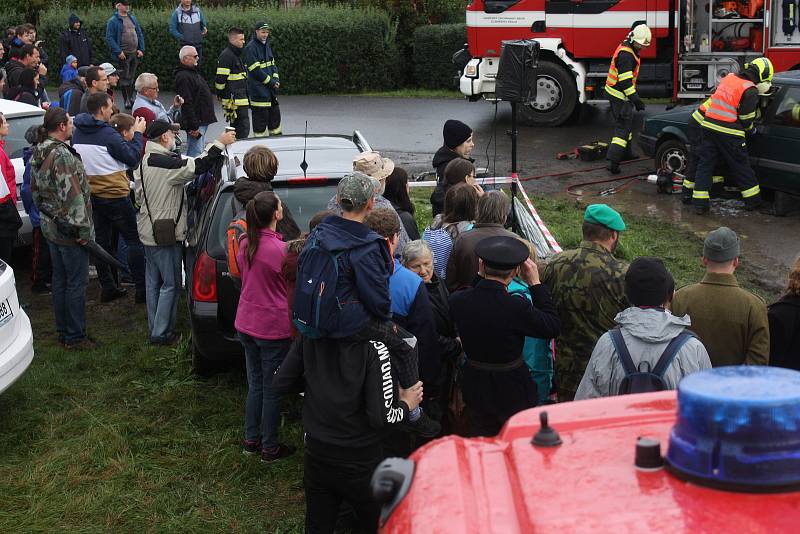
[
  {"x": 434, "y": 47},
  {"x": 318, "y": 50}
]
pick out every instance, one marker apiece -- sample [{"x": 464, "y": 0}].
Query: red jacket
[{"x": 8, "y": 172}]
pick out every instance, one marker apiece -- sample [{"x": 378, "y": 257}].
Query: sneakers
[
  {"x": 613, "y": 167},
  {"x": 251, "y": 446},
  {"x": 278, "y": 453},
  {"x": 108, "y": 295},
  {"x": 425, "y": 426},
  {"x": 83, "y": 344},
  {"x": 171, "y": 339}
]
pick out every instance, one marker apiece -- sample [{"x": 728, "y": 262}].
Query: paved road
[{"x": 409, "y": 131}]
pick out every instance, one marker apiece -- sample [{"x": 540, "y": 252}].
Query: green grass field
[{"x": 125, "y": 439}]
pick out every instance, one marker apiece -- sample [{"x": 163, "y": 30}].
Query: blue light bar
[{"x": 738, "y": 428}]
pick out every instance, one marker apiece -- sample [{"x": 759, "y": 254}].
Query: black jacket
[
  {"x": 76, "y": 43},
  {"x": 72, "y": 101},
  {"x": 784, "y": 332},
  {"x": 13, "y": 71},
  {"x": 350, "y": 395},
  {"x": 442, "y": 157},
  {"x": 198, "y": 102},
  {"x": 231, "y": 78},
  {"x": 409, "y": 223},
  {"x": 445, "y": 328}
]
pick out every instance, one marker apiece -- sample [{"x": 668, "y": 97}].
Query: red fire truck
[{"x": 695, "y": 44}]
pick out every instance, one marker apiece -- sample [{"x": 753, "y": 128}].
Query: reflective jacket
[
  {"x": 262, "y": 74},
  {"x": 700, "y": 113},
  {"x": 733, "y": 106},
  {"x": 622, "y": 75},
  {"x": 231, "y": 79}
]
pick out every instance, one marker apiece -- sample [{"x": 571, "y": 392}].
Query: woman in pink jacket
[{"x": 262, "y": 321}]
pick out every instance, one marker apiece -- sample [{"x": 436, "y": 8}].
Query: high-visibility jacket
[
  {"x": 730, "y": 112},
  {"x": 624, "y": 70},
  {"x": 231, "y": 79},
  {"x": 700, "y": 113},
  {"x": 262, "y": 73}
]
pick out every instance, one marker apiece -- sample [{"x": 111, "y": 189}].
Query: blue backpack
[{"x": 316, "y": 306}]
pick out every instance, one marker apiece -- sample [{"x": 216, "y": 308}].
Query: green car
[{"x": 774, "y": 148}]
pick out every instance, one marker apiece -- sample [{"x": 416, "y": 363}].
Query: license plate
[{"x": 6, "y": 313}]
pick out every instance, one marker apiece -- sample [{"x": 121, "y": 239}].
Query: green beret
[{"x": 604, "y": 215}]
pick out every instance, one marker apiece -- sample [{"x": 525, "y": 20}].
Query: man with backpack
[
  {"x": 342, "y": 287},
  {"x": 650, "y": 349}
]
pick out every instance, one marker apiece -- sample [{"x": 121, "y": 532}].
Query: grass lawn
[{"x": 125, "y": 438}]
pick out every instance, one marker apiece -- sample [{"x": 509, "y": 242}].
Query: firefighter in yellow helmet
[
  {"x": 728, "y": 119},
  {"x": 621, "y": 90}
]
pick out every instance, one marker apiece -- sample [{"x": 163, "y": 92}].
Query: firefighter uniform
[
  {"x": 231, "y": 86},
  {"x": 694, "y": 133},
  {"x": 262, "y": 82},
  {"x": 621, "y": 89},
  {"x": 728, "y": 118}
]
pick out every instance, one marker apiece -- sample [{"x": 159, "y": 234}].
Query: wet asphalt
[{"x": 410, "y": 131}]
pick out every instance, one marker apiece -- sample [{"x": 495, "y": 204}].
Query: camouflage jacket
[
  {"x": 61, "y": 191},
  {"x": 588, "y": 288}
]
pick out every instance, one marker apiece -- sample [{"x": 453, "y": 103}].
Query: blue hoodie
[{"x": 364, "y": 269}]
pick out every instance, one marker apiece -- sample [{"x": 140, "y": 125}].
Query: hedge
[
  {"x": 434, "y": 47},
  {"x": 318, "y": 50}
]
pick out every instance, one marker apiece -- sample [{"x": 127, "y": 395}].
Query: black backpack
[{"x": 644, "y": 380}]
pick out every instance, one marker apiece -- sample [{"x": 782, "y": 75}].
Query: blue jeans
[
  {"x": 163, "y": 284},
  {"x": 70, "y": 278},
  {"x": 262, "y": 410},
  {"x": 194, "y": 147},
  {"x": 117, "y": 213}
]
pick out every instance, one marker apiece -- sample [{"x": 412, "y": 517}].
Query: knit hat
[
  {"x": 355, "y": 190},
  {"x": 82, "y": 71},
  {"x": 70, "y": 59},
  {"x": 455, "y": 132},
  {"x": 721, "y": 245},
  {"x": 648, "y": 282},
  {"x": 73, "y": 18}
]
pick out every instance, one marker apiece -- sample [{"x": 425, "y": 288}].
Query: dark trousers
[
  {"x": 333, "y": 475},
  {"x": 70, "y": 277},
  {"x": 7, "y": 247},
  {"x": 694, "y": 132},
  {"x": 620, "y": 146},
  {"x": 732, "y": 150},
  {"x": 127, "y": 74},
  {"x": 242, "y": 123},
  {"x": 482, "y": 424},
  {"x": 117, "y": 214},
  {"x": 403, "y": 355},
  {"x": 41, "y": 266},
  {"x": 266, "y": 119}
]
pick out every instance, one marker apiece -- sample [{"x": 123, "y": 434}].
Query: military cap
[
  {"x": 355, "y": 190},
  {"x": 604, "y": 215},
  {"x": 721, "y": 245},
  {"x": 502, "y": 252}
]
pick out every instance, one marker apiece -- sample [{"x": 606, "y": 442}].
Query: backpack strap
[
  {"x": 622, "y": 351},
  {"x": 669, "y": 353}
]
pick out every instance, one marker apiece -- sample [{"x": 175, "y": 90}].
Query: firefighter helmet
[
  {"x": 763, "y": 67},
  {"x": 640, "y": 35}
]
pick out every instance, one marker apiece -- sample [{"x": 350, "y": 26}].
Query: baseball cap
[
  {"x": 372, "y": 164},
  {"x": 604, "y": 215},
  {"x": 157, "y": 128},
  {"x": 354, "y": 191},
  {"x": 263, "y": 25},
  {"x": 721, "y": 245},
  {"x": 108, "y": 68}
]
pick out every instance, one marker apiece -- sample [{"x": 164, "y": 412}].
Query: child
[
  {"x": 70, "y": 69},
  {"x": 262, "y": 320},
  {"x": 123, "y": 123}
]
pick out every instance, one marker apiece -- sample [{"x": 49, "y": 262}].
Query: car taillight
[
  {"x": 204, "y": 279},
  {"x": 308, "y": 180}
]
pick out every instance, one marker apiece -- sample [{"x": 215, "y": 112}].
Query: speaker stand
[{"x": 514, "y": 176}]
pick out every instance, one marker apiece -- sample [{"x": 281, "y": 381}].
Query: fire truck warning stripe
[{"x": 607, "y": 19}]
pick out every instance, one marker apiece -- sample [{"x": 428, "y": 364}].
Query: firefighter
[
  {"x": 231, "y": 84},
  {"x": 621, "y": 89},
  {"x": 263, "y": 82},
  {"x": 728, "y": 119},
  {"x": 694, "y": 133}
]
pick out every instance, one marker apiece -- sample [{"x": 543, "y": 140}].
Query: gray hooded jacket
[{"x": 646, "y": 332}]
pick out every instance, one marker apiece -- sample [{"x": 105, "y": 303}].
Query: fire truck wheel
[
  {"x": 556, "y": 97},
  {"x": 672, "y": 155}
]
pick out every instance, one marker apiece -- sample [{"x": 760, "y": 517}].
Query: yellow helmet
[
  {"x": 764, "y": 68},
  {"x": 640, "y": 35}
]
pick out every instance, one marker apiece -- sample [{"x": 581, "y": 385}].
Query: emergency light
[{"x": 738, "y": 428}]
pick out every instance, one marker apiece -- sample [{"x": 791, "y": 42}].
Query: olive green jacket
[{"x": 730, "y": 321}]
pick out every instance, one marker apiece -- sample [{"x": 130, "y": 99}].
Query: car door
[{"x": 775, "y": 149}]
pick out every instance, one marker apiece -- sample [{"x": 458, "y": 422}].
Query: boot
[{"x": 613, "y": 167}]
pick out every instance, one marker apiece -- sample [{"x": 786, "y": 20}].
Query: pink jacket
[
  {"x": 263, "y": 306},
  {"x": 7, "y": 168}
]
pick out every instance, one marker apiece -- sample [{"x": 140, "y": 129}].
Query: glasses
[{"x": 194, "y": 56}]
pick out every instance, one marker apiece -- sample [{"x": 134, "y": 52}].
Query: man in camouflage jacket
[
  {"x": 61, "y": 191},
  {"x": 588, "y": 289}
]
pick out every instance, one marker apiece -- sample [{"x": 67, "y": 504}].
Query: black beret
[{"x": 502, "y": 252}]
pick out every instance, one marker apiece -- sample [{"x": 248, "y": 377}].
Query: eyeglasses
[{"x": 194, "y": 56}]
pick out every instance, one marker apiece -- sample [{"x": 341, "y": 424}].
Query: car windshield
[
  {"x": 303, "y": 202},
  {"x": 17, "y": 126}
]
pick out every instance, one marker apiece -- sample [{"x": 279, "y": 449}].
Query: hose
[
  {"x": 576, "y": 171},
  {"x": 630, "y": 177}
]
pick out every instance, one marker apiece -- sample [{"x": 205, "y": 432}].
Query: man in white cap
[
  {"x": 621, "y": 89},
  {"x": 113, "y": 78},
  {"x": 377, "y": 168}
]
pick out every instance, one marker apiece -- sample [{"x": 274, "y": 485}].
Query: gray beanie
[{"x": 721, "y": 245}]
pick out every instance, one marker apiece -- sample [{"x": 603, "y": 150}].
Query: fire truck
[{"x": 695, "y": 44}]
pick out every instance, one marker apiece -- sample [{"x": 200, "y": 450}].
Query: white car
[
  {"x": 16, "y": 336},
  {"x": 20, "y": 117}
]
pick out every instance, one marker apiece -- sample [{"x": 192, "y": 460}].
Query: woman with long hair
[
  {"x": 396, "y": 192},
  {"x": 460, "y": 208},
  {"x": 784, "y": 324},
  {"x": 262, "y": 320}
]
